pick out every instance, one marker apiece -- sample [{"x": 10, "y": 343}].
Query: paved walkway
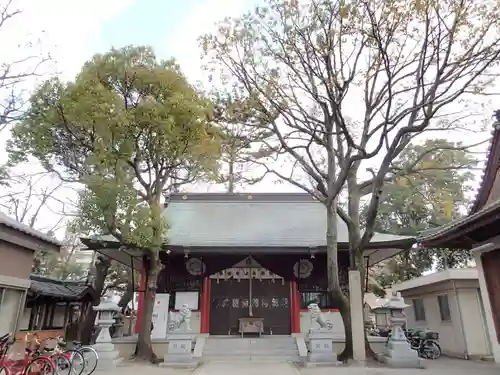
[{"x": 443, "y": 365}]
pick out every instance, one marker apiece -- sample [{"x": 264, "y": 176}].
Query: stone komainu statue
[
  {"x": 317, "y": 316},
  {"x": 183, "y": 318}
]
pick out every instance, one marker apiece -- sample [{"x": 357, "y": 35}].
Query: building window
[
  {"x": 182, "y": 285},
  {"x": 319, "y": 297},
  {"x": 10, "y": 308},
  {"x": 315, "y": 291},
  {"x": 444, "y": 308},
  {"x": 419, "y": 309}
]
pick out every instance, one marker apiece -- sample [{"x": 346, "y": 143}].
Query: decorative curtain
[
  {"x": 216, "y": 263},
  {"x": 279, "y": 264}
]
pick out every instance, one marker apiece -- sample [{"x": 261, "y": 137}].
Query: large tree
[
  {"x": 128, "y": 127},
  {"x": 240, "y": 142},
  {"x": 433, "y": 195},
  {"x": 340, "y": 83}
]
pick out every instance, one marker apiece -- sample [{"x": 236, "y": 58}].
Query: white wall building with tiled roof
[{"x": 18, "y": 244}]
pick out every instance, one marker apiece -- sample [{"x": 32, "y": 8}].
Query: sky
[
  {"x": 72, "y": 31},
  {"x": 75, "y": 30}
]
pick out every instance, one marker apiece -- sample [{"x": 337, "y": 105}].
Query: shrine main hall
[{"x": 243, "y": 255}]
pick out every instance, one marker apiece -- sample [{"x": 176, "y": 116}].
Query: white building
[{"x": 449, "y": 302}]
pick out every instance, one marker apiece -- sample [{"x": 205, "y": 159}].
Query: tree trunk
[
  {"x": 101, "y": 271},
  {"x": 231, "y": 177},
  {"x": 144, "y": 349},
  {"x": 345, "y": 313},
  {"x": 128, "y": 295},
  {"x": 336, "y": 294},
  {"x": 362, "y": 267}
]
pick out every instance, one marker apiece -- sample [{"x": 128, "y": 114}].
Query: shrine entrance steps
[{"x": 262, "y": 349}]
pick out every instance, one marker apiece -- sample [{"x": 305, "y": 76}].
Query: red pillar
[
  {"x": 205, "y": 306},
  {"x": 140, "y": 302},
  {"x": 292, "y": 306},
  {"x": 295, "y": 307}
]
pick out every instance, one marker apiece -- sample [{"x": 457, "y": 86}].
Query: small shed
[
  {"x": 449, "y": 302},
  {"x": 51, "y": 304},
  {"x": 18, "y": 244}
]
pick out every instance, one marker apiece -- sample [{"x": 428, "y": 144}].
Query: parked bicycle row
[
  {"x": 51, "y": 356},
  {"x": 425, "y": 342}
]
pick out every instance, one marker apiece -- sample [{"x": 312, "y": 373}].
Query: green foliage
[
  {"x": 430, "y": 188},
  {"x": 127, "y": 127},
  {"x": 4, "y": 176},
  {"x": 241, "y": 138},
  {"x": 57, "y": 266}
]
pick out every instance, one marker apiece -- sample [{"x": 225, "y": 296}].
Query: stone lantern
[
  {"x": 108, "y": 356},
  {"x": 398, "y": 352}
]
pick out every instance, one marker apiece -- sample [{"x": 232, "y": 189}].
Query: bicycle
[
  {"x": 424, "y": 342},
  {"x": 29, "y": 365},
  {"x": 65, "y": 359},
  {"x": 91, "y": 358},
  {"x": 88, "y": 354}
]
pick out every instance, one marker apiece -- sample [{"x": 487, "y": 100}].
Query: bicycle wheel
[
  {"x": 62, "y": 363},
  {"x": 4, "y": 370},
  {"x": 91, "y": 358},
  {"x": 77, "y": 361},
  {"x": 432, "y": 350},
  {"x": 40, "y": 366}
]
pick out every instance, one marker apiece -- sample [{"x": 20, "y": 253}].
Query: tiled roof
[
  {"x": 489, "y": 172},
  {"x": 26, "y": 229},
  {"x": 72, "y": 290},
  {"x": 253, "y": 220},
  {"x": 245, "y": 220}
]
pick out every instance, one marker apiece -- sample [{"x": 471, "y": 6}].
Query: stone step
[
  {"x": 254, "y": 342},
  {"x": 265, "y": 349},
  {"x": 251, "y": 358},
  {"x": 252, "y": 352},
  {"x": 291, "y": 346}
]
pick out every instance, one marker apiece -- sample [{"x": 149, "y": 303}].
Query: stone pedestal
[
  {"x": 108, "y": 355},
  {"x": 179, "y": 352},
  {"x": 321, "y": 348},
  {"x": 398, "y": 352}
]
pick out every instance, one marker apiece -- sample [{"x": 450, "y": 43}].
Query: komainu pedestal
[
  {"x": 180, "y": 339},
  {"x": 321, "y": 348},
  {"x": 320, "y": 339}
]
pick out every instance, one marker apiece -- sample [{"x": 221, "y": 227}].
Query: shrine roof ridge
[{"x": 243, "y": 196}]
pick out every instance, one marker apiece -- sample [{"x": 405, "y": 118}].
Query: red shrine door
[
  {"x": 231, "y": 300},
  {"x": 228, "y": 305}
]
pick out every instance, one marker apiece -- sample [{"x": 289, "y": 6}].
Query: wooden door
[
  {"x": 229, "y": 303},
  {"x": 270, "y": 300},
  {"x": 491, "y": 269}
]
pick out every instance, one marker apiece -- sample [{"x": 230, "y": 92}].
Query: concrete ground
[{"x": 442, "y": 365}]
